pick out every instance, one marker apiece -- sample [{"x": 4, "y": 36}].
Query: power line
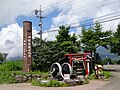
[
  {"x": 107, "y": 16},
  {"x": 15, "y": 43},
  {"x": 94, "y": 7},
  {"x": 104, "y": 21},
  {"x": 101, "y": 16},
  {"x": 27, "y": 16},
  {"x": 93, "y": 4},
  {"x": 97, "y": 7},
  {"x": 87, "y": 8},
  {"x": 62, "y": 3},
  {"x": 80, "y": 7}
]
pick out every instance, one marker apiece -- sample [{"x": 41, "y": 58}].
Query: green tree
[
  {"x": 94, "y": 37},
  {"x": 67, "y": 42},
  {"x": 107, "y": 61},
  {"x": 41, "y": 54},
  {"x": 53, "y": 51},
  {"x": 98, "y": 59},
  {"x": 115, "y": 41},
  {"x": 118, "y": 62}
]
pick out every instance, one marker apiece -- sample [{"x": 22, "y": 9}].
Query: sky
[{"x": 56, "y": 13}]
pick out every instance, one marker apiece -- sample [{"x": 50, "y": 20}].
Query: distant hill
[
  {"x": 15, "y": 58},
  {"x": 104, "y": 53}
]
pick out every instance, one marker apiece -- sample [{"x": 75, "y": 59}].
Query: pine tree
[
  {"x": 93, "y": 37},
  {"x": 115, "y": 41}
]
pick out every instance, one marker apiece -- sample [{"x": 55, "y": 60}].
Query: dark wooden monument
[{"x": 27, "y": 46}]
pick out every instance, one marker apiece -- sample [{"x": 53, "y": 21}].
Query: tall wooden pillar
[{"x": 27, "y": 46}]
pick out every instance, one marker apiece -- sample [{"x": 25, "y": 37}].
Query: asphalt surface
[
  {"x": 93, "y": 85},
  {"x": 115, "y": 68},
  {"x": 114, "y": 84}
]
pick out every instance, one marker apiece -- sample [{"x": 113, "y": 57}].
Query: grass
[
  {"x": 11, "y": 66},
  {"x": 92, "y": 76},
  {"x": 107, "y": 74},
  {"x": 9, "y": 76},
  {"x": 9, "y": 69},
  {"x": 51, "y": 83}
]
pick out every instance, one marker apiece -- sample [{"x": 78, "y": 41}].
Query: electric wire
[
  {"x": 104, "y": 21},
  {"x": 15, "y": 43},
  {"x": 86, "y": 20}
]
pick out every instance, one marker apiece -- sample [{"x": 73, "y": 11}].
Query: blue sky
[
  {"x": 47, "y": 20},
  {"x": 57, "y": 12}
]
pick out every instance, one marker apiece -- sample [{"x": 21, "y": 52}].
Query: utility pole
[{"x": 38, "y": 13}]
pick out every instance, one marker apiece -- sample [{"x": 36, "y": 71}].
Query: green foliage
[
  {"x": 115, "y": 41},
  {"x": 55, "y": 83},
  {"x": 63, "y": 34},
  {"x": 42, "y": 55},
  {"x": 107, "y": 74},
  {"x": 98, "y": 59},
  {"x": 67, "y": 42},
  {"x": 91, "y": 76},
  {"x": 51, "y": 83},
  {"x": 118, "y": 62},
  {"x": 106, "y": 61},
  {"x": 94, "y": 37},
  {"x": 7, "y": 77},
  {"x": 14, "y": 65},
  {"x": 35, "y": 82},
  {"x": 48, "y": 52},
  {"x": 11, "y": 66}
]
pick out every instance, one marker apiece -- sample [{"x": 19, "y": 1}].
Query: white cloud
[
  {"x": 70, "y": 11},
  {"x": 106, "y": 11},
  {"x": 11, "y": 40},
  {"x": 11, "y": 9},
  {"x": 77, "y": 10}
]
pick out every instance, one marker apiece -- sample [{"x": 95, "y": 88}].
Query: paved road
[
  {"x": 112, "y": 67},
  {"x": 114, "y": 84},
  {"x": 26, "y": 86}
]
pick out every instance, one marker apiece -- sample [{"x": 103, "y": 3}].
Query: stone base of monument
[
  {"x": 66, "y": 76},
  {"x": 44, "y": 81},
  {"x": 70, "y": 82}
]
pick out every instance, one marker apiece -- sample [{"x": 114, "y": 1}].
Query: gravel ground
[{"x": 93, "y": 85}]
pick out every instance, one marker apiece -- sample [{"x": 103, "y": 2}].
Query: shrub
[
  {"x": 7, "y": 77},
  {"x": 14, "y": 65},
  {"x": 107, "y": 74},
  {"x": 11, "y": 66},
  {"x": 51, "y": 83},
  {"x": 92, "y": 75},
  {"x": 35, "y": 82}
]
